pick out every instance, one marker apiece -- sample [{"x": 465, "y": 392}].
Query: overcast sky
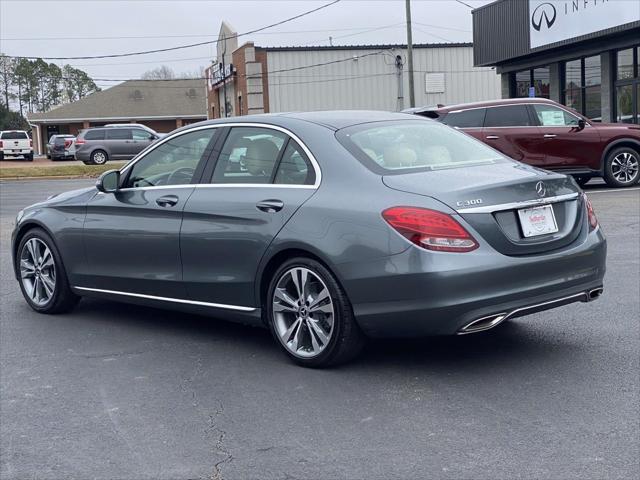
[{"x": 94, "y": 27}]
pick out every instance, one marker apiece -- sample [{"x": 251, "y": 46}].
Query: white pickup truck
[{"x": 15, "y": 143}]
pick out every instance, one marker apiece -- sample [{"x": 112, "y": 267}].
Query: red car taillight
[
  {"x": 1, "y": 144},
  {"x": 79, "y": 141},
  {"x": 67, "y": 143},
  {"x": 591, "y": 214},
  {"x": 430, "y": 229},
  {"x": 31, "y": 143}
]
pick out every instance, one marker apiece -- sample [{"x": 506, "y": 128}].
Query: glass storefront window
[
  {"x": 582, "y": 92},
  {"x": 541, "y": 78},
  {"x": 624, "y": 102},
  {"x": 523, "y": 81},
  {"x": 625, "y": 64}
]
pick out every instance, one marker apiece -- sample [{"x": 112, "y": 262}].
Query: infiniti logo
[
  {"x": 541, "y": 189},
  {"x": 545, "y": 11}
]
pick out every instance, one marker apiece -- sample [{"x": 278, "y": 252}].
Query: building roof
[
  {"x": 135, "y": 99},
  {"x": 390, "y": 46}
]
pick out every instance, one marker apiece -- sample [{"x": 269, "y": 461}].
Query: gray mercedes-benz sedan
[{"x": 326, "y": 227}]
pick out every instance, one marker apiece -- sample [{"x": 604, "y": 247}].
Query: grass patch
[{"x": 80, "y": 170}]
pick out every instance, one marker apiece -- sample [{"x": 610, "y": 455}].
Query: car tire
[
  {"x": 48, "y": 157},
  {"x": 320, "y": 335},
  {"x": 98, "y": 157},
  {"x": 29, "y": 158},
  {"x": 622, "y": 167},
  {"x": 43, "y": 281}
]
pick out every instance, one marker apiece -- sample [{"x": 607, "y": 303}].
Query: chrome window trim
[
  {"x": 521, "y": 204},
  {"x": 144, "y": 153},
  {"x": 168, "y": 299},
  {"x": 561, "y": 107}
]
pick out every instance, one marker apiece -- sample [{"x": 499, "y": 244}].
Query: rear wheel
[
  {"x": 622, "y": 167},
  {"x": 98, "y": 157},
  {"x": 43, "y": 279},
  {"x": 29, "y": 158},
  {"x": 310, "y": 315}
]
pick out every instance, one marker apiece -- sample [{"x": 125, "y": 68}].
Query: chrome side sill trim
[
  {"x": 168, "y": 299},
  {"x": 522, "y": 204}
]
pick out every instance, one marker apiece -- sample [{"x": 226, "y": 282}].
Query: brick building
[{"x": 162, "y": 105}]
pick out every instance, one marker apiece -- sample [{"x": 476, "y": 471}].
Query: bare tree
[{"x": 161, "y": 73}]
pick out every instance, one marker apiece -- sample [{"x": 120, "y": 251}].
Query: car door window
[
  {"x": 465, "y": 119},
  {"x": 249, "y": 155},
  {"x": 294, "y": 167},
  {"x": 550, "y": 116},
  {"x": 140, "y": 134},
  {"x": 94, "y": 135},
  {"x": 173, "y": 162},
  {"x": 119, "y": 134},
  {"x": 508, "y": 116}
]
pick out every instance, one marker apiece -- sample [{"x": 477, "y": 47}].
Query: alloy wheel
[
  {"x": 37, "y": 271},
  {"x": 99, "y": 158},
  {"x": 624, "y": 167},
  {"x": 303, "y": 312}
]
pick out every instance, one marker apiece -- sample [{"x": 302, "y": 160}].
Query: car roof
[
  {"x": 332, "y": 119},
  {"x": 487, "y": 103}
]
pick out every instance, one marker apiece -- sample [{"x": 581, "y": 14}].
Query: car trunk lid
[{"x": 489, "y": 197}]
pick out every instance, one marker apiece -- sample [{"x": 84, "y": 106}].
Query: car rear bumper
[{"x": 418, "y": 293}]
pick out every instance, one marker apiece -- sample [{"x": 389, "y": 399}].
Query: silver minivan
[{"x": 96, "y": 146}]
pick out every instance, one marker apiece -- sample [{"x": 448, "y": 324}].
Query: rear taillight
[
  {"x": 79, "y": 141},
  {"x": 430, "y": 229},
  {"x": 31, "y": 143},
  {"x": 67, "y": 143},
  {"x": 591, "y": 214},
  {"x": 1, "y": 144}
]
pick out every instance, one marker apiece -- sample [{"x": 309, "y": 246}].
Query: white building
[{"x": 280, "y": 79}]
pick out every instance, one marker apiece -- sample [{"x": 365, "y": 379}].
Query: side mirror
[
  {"x": 581, "y": 124},
  {"x": 109, "y": 181}
]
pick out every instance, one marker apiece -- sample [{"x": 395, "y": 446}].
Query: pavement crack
[{"x": 220, "y": 448}]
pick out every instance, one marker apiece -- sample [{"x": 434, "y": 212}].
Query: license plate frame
[{"x": 537, "y": 221}]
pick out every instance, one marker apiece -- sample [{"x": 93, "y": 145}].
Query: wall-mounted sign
[
  {"x": 552, "y": 21},
  {"x": 219, "y": 74}
]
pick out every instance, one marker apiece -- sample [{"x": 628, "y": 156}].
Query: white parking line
[{"x": 613, "y": 190}]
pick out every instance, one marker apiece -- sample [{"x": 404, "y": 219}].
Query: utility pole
[
  {"x": 412, "y": 94},
  {"x": 224, "y": 80}
]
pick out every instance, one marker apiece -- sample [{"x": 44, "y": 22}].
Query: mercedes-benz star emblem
[
  {"x": 545, "y": 11},
  {"x": 541, "y": 190}
]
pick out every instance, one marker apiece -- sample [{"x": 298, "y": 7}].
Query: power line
[
  {"x": 463, "y": 3},
  {"x": 181, "y": 47}
]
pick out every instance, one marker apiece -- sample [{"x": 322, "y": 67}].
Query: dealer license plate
[{"x": 537, "y": 221}]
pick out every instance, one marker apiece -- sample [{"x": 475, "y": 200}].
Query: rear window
[
  {"x": 508, "y": 116},
  {"x": 94, "y": 135},
  {"x": 414, "y": 146},
  {"x": 14, "y": 135},
  {"x": 465, "y": 119}
]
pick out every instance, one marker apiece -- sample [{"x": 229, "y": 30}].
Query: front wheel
[
  {"x": 43, "y": 279},
  {"x": 310, "y": 315},
  {"x": 622, "y": 167}
]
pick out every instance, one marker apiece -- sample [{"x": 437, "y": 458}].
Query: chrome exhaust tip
[
  {"x": 594, "y": 293},
  {"x": 484, "y": 323}
]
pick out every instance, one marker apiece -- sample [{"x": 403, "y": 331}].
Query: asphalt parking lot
[{"x": 117, "y": 391}]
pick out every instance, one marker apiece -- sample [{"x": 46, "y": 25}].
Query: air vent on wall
[{"x": 136, "y": 95}]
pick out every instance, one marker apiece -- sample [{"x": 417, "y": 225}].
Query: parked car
[
  {"x": 61, "y": 147},
  {"x": 14, "y": 144},
  {"x": 96, "y": 146},
  {"x": 138, "y": 125},
  {"x": 545, "y": 134},
  {"x": 442, "y": 235}
]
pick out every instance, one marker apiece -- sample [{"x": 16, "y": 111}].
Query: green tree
[{"x": 11, "y": 120}]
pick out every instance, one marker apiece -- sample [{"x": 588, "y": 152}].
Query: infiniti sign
[
  {"x": 544, "y": 12},
  {"x": 552, "y": 21}
]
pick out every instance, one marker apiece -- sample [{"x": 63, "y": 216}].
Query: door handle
[
  {"x": 167, "y": 201},
  {"x": 492, "y": 137},
  {"x": 270, "y": 206},
  {"x": 550, "y": 135}
]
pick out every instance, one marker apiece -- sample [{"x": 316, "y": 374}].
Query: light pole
[{"x": 412, "y": 94}]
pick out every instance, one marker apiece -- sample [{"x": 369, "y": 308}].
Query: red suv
[{"x": 546, "y": 134}]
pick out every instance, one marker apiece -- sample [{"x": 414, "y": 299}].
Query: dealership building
[
  {"x": 582, "y": 53},
  {"x": 249, "y": 79}
]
